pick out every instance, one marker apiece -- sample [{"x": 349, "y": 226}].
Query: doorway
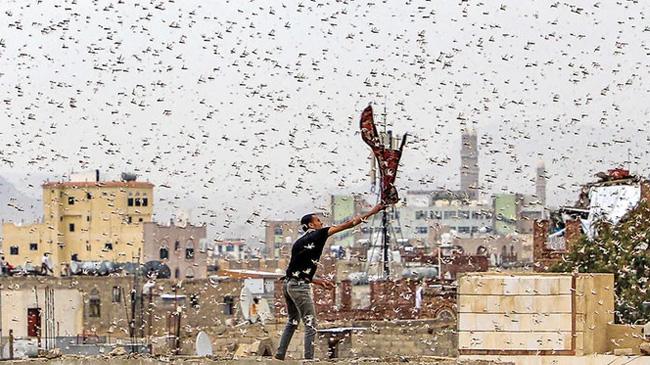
[{"x": 33, "y": 322}]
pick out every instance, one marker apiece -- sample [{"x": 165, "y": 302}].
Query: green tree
[{"x": 622, "y": 249}]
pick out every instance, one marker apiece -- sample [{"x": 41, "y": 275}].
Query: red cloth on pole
[{"x": 387, "y": 159}]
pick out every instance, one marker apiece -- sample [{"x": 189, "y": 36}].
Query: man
[
  {"x": 305, "y": 253},
  {"x": 46, "y": 264}
]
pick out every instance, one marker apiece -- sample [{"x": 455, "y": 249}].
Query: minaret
[
  {"x": 540, "y": 183},
  {"x": 469, "y": 164}
]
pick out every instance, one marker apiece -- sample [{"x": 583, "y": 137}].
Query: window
[
  {"x": 117, "y": 294},
  {"x": 189, "y": 253},
  {"x": 421, "y": 230},
  {"x": 108, "y": 246},
  {"x": 230, "y": 248},
  {"x": 94, "y": 304},
  {"x": 145, "y": 202},
  {"x": 177, "y": 245},
  {"x": 74, "y": 257},
  {"x": 137, "y": 202},
  {"x": 463, "y": 229},
  {"x": 228, "y": 305},
  {"x": 129, "y": 219},
  {"x": 13, "y": 250},
  {"x": 87, "y": 246},
  {"x": 177, "y": 273},
  {"x": 71, "y": 200},
  {"x": 71, "y": 227},
  {"x": 89, "y": 196},
  {"x": 420, "y": 214},
  {"x": 164, "y": 253},
  {"x": 450, "y": 214},
  {"x": 436, "y": 214},
  {"x": 277, "y": 231},
  {"x": 129, "y": 202},
  {"x": 140, "y": 220},
  {"x": 477, "y": 215},
  {"x": 33, "y": 246},
  {"x": 194, "y": 300},
  {"x": 463, "y": 214},
  {"x": 87, "y": 218}
]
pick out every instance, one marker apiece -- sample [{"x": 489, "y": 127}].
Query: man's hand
[{"x": 325, "y": 284}]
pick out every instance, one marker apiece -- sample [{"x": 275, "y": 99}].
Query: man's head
[{"x": 310, "y": 221}]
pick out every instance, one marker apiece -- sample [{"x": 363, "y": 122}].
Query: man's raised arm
[{"x": 355, "y": 221}]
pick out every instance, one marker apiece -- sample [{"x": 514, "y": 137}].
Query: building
[
  {"x": 73, "y": 311},
  {"x": 515, "y": 213},
  {"x": 344, "y": 208},
  {"x": 469, "y": 172},
  {"x": 233, "y": 249},
  {"x": 279, "y": 237},
  {"x": 84, "y": 221},
  {"x": 540, "y": 183},
  {"x": 426, "y": 211},
  {"x": 182, "y": 248}
]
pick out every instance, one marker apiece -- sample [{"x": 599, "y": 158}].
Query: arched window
[
  {"x": 189, "y": 250},
  {"x": 481, "y": 251},
  {"x": 164, "y": 253},
  {"x": 94, "y": 304}
]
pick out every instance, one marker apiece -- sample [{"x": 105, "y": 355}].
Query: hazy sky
[{"x": 247, "y": 111}]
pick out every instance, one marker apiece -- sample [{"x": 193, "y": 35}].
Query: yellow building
[{"x": 83, "y": 221}]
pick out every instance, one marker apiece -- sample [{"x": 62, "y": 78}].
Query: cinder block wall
[{"x": 534, "y": 313}]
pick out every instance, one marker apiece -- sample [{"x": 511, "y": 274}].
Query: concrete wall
[
  {"x": 68, "y": 310},
  {"x": 206, "y": 312},
  {"x": 372, "y": 339},
  {"x": 534, "y": 313}
]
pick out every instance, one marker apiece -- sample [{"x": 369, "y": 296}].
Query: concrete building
[
  {"x": 233, "y": 249},
  {"x": 469, "y": 172},
  {"x": 83, "y": 221},
  {"x": 182, "y": 248},
  {"x": 27, "y": 311},
  {"x": 425, "y": 211},
  {"x": 92, "y": 309},
  {"x": 344, "y": 208},
  {"x": 515, "y": 213},
  {"x": 279, "y": 237}
]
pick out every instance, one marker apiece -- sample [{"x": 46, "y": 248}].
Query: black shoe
[{"x": 279, "y": 357}]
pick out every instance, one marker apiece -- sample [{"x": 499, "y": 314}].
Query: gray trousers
[{"x": 300, "y": 305}]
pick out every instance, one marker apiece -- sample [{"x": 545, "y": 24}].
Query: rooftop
[{"x": 98, "y": 184}]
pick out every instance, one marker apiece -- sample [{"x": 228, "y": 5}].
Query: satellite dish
[
  {"x": 203, "y": 344},
  {"x": 245, "y": 301}
]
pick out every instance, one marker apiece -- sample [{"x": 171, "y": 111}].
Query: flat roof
[{"x": 97, "y": 184}]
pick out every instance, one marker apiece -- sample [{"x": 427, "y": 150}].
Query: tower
[
  {"x": 540, "y": 183},
  {"x": 469, "y": 164}
]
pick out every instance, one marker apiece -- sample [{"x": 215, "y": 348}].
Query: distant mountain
[{"x": 16, "y": 206}]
